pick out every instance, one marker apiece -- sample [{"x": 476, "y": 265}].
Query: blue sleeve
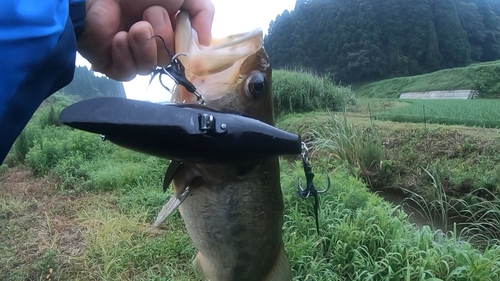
[{"x": 37, "y": 51}]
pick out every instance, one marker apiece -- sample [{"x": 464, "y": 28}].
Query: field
[
  {"x": 75, "y": 208},
  {"x": 474, "y": 113}
]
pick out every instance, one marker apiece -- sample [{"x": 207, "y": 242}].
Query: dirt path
[{"x": 39, "y": 233}]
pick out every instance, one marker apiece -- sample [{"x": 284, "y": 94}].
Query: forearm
[{"x": 38, "y": 49}]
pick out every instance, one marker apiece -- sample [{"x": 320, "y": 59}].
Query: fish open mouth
[{"x": 216, "y": 69}]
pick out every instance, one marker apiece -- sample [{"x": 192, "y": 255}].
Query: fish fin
[
  {"x": 203, "y": 265},
  {"x": 170, "y": 173},
  {"x": 169, "y": 208},
  {"x": 281, "y": 270}
]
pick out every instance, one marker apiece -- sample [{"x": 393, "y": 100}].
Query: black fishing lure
[{"x": 182, "y": 132}]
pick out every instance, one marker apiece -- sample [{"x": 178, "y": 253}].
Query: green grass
[
  {"x": 483, "y": 225},
  {"x": 480, "y": 112},
  {"x": 362, "y": 237},
  {"x": 359, "y": 147},
  {"x": 119, "y": 248},
  {"x": 484, "y": 77},
  {"x": 26, "y": 255}
]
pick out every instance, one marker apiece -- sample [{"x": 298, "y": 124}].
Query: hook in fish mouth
[{"x": 176, "y": 71}]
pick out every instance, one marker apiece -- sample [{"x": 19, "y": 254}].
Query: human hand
[{"x": 118, "y": 34}]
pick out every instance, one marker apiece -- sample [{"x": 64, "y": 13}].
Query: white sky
[{"x": 231, "y": 17}]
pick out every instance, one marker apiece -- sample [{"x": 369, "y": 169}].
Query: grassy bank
[
  {"x": 75, "y": 208},
  {"x": 484, "y": 77},
  {"x": 361, "y": 235},
  {"x": 448, "y": 172}
]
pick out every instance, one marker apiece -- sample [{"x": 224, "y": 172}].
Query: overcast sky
[{"x": 231, "y": 17}]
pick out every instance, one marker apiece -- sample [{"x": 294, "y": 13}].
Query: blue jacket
[{"x": 37, "y": 58}]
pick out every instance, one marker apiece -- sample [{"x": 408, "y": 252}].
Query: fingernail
[{"x": 157, "y": 18}]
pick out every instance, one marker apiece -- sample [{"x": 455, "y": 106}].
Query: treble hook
[
  {"x": 310, "y": 189},
  {"x": 176, "y": 71}
]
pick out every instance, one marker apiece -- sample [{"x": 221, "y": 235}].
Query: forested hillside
[
  {"x": 86, "y": 85},
  {"x": 360, "y": 40}
]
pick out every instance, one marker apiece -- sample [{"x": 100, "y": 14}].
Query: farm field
[
  {"x": 475, "y": 113},
  {"x": 75, "y": 208}
]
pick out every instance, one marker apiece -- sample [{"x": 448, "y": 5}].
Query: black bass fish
[{"x": 233, "y": 212}]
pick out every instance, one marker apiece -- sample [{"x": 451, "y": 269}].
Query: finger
[
  {"x": 143, "y": 46},
  {"x": 123, "y": 67},
  {"x": 159, "y": 19},
  {"x": 201, "y": 13}
]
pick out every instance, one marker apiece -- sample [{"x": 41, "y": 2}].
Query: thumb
[{"x": 201, "y": 13}]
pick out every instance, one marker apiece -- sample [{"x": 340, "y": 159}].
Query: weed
[
  {"x": 483, "y": 225},
  {"x": 436, "y": 206},
  {"x": 360, "y": 147}
]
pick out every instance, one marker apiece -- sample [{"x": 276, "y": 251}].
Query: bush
[
  {"x": 3, "y": 169},
  {"x": 57, "y": 145},
  {"x": 21, "y": 147},
  {"x": 296, "y": 92}
]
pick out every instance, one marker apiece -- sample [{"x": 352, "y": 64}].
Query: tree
[
  {"x": 358, "y": 40},
  {"x": 86, "y": 85}
]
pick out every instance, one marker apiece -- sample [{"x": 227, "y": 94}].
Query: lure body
[{"x": 183, "y": 132}]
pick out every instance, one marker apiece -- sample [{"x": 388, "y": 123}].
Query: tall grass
[
  {"x": 367, "y": 239},
  {"x": 436, "y": 207},
  {"x": 484, "y": 77},
  {"x": 340, "y": 139},
  {"x": 480, "y": 113},
  {"x": 483, "y": 224},
  {"x": 477, "y": 218},
  {"x": 296, "y": 92}
]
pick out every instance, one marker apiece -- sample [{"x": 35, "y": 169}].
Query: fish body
[{"x": 233, "y": 212}]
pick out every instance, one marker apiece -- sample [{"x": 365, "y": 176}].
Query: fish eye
[{"x": 256, "y": 85}]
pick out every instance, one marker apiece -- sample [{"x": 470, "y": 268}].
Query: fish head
[{"x": 233, "y": 73}]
